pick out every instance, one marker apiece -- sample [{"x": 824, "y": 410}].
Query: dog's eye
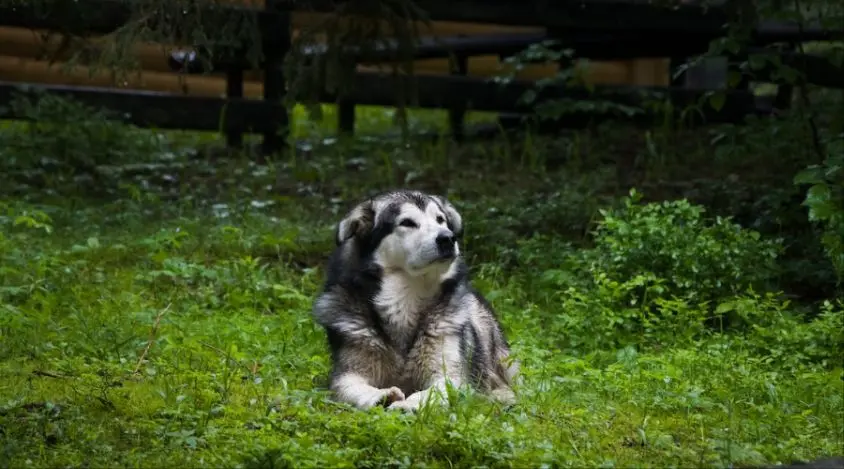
[
  {"x": 440, "y": 219},
  {"x": 407, "y": 222}
]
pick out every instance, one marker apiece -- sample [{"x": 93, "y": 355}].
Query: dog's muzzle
[{"x": 446, "y": 243}]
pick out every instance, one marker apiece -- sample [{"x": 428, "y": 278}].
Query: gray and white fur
[{"x": 399, "y": 312}]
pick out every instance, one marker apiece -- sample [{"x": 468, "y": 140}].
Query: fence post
[
  {"x": 673, "y": 68},
  {"x": 234, "y": 89},
  {"x": 785, "y": 91},
  {"x": 345, "y": 106},
  {"x": 457, "y": 112},
  {"x": 346, "y": 116},
  {"x": 275, "y": 43}
]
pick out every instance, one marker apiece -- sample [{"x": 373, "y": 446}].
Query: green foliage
[
  {"x": 184, "y": 342},
  {"x": 825, "y": 201},
  {"x": 695, "y": 258},
  {"x": 168, "y": 323},
  {"x": 550, "y": 51},
  {"x": 71, "y": 136}
]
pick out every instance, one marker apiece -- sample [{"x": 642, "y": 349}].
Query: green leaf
[
  {"x": 811, "y": 175},
  {"x": 756, "y": 61},
  {"x": 823, "y": 210},
  {"x": 733, "y": 78},
  {"x": 717, "y": 100},
  {"x": 817, "y": 194}
]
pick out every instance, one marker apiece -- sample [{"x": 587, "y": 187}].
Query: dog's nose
[{"x": 445, "y": 240}]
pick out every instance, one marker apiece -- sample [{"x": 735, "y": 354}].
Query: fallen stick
[{"x": 152, "y": 335}]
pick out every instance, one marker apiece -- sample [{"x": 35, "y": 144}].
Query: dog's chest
[{"x": 401, "y": 306}]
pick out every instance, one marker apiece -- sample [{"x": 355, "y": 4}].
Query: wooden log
[
  {"x": 649, "y": 72},
  {"x": 616, "y": 15},
  {"x": 244, "y": 115},
  {"x": 39, "y": 71},
  {"x": 586, "y": 44},
  {"x": 40, "y": 44},
  {"x": 160, "y": 110},
  {"x": 31, "y": 44},
  {"x": 638, "y": 72},
  {"x": 483, "y": 95},
  {"x": 303, "y": 20}
]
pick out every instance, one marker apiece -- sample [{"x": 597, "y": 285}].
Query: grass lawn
[{"x": 158, "y": 314}]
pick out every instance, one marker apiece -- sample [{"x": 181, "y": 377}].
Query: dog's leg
[
  {"x": 354, "y": 389},
  {"x": 505, "y": 374},
  {"x": 444, "y": 366}
]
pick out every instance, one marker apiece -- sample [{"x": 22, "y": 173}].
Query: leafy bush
[
  {"x": 825, "y": 200},
  {"x": 696, "y": 259},
  {"x": 776, "y": 332},
  {"x": 614, "y": 314},
  {"x": 64, "y": 133}
]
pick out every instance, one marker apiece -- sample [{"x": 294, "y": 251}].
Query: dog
[{"x": 402, "y": 320}]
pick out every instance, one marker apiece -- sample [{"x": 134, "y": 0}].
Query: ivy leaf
[
  {"x": 717, "y": 100},
  {"x": 733, "y": 78},
  {"x": 810, "y": 175}
]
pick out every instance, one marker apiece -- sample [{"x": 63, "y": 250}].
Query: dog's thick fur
[{"x": 400, "y": 315}]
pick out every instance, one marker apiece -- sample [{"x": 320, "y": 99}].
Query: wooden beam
[
  {"x": 160, "y": 110},
  {"x": 150, "y": 109},
  {"x": 770, "y": 31},
  {"x": 104, "y": 16},
  {"x": 615, "y": 15},
  {"x": 618, "y": 16},
  {"x": 15, "y": 69},
  {"x": 484, "y": 95}
]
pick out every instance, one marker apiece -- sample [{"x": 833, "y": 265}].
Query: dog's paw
[
  {"x": 390, "y": 396},
  {"x": 405, "y": 405},
  {"x": 504, "y": 396}
]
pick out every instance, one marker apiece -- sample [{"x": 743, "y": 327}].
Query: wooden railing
[{"x": 174, "y": 91}]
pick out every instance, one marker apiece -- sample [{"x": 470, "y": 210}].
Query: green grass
[{"x": 164, "y": 321}]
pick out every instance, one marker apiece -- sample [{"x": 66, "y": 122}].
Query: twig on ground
[
  {"x": 152, "y": 334},
  {"x": 47, "y": 374}
]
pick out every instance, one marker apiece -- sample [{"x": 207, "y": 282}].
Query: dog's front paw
[
  {"x": 504, "y": 396},
  {"x": 390, "y": 396},
  {"x": 406, "y": 405}
]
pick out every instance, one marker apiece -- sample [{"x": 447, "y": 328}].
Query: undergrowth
[{"x": 163, "y": 319}]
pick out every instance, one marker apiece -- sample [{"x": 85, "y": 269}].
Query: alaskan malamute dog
[{"x": 400, "y": 315}]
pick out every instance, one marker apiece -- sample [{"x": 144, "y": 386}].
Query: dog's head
[{"x": 408, "y": 231}]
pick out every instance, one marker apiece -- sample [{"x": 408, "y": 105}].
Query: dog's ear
[
  {"x": 358, "y": 223},
  {"x": 452, "y": 217}
]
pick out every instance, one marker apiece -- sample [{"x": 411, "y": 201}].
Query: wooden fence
[{"x": 176, "y": 92}]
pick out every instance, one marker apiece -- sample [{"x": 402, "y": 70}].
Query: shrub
[
  {"x": 614, "y": 314},
  {"x": 825, "y": 201},
  {"x": 778, "y": 332},
  {"x": 697, "y": 259},
  {"x": 66, "y": 134}
]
